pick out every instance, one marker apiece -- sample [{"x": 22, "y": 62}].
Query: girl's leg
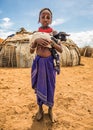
[{"x": 39, "y": 114}]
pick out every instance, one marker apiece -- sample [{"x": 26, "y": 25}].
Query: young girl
[{"x": 43, "y": 73}]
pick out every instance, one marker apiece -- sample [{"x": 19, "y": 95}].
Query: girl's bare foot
[
  {"x": 51, "y": 115},
  {"x": 39, "y": 114}
]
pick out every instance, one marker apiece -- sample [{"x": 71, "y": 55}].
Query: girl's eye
[{"x": 43, "y": 17}]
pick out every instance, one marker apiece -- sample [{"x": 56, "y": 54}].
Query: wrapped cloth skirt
[{"x": 43, "y": 80}]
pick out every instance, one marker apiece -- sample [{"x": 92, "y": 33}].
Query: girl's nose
[{"x": 45, "y": 17}]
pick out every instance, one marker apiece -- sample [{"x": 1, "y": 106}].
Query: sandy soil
[{"x": 73, "y": 99}]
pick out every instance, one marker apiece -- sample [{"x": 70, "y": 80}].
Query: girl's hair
[{"x": 42, "y": 11}]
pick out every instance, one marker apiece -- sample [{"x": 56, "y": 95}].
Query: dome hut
[
  {"x": 15, "y": 50},
  {"x": 88, "y": 51}
]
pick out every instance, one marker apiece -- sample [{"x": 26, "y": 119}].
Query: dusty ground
[{"x": 73, "y": 99}]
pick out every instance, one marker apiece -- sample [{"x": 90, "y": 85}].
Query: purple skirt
[{"x": 43, "y": 80}]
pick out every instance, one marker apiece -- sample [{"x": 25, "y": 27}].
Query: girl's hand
[{"x": 42, "y": 42}]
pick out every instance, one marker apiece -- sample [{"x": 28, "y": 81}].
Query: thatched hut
[{"x": 15, "y": 50}]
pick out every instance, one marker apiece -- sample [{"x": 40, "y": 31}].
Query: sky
[{"x": 71, "y": 16}]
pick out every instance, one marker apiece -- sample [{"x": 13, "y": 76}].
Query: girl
[{"x": 43, "y": 73}]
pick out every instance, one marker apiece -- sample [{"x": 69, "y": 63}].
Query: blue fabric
[{"x": 43, "y": 80}]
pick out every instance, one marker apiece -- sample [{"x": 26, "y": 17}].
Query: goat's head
[{"x": 61, "y": 36}]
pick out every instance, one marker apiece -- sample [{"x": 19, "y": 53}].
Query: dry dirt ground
[{"x": 73, "y": 99}]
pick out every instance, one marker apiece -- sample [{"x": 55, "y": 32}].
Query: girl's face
[{"x": 45, "y": 18}]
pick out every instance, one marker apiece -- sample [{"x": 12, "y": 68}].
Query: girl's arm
[
  {"x": 57, "y": 46},
  {"x": 39, "y": 41},
  {"x": 33, "y": 47}
]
